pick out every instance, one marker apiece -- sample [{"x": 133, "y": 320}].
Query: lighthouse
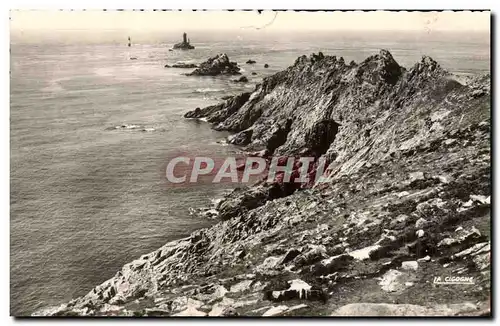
[{"x": 184, "y": 45}]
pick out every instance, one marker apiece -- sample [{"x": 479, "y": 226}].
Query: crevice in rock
[
  {"x": 321, "y": 136},
  {"x": 279, "y": 137}
]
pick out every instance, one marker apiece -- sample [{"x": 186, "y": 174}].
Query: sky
[{"x": 28, "y": 23}]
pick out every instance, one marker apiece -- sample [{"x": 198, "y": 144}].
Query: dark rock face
[
  {"x": 251, "y": 62},
  {"x": 406, "y": 198},
  {"x": 383, "y": 62},
  {"x": 242, "y": 138},
  {"x": 222, "y": 111},
  {"x": 279, "y": 136},
  {"x": 321, "y": 135},
  {"x": 218, "y": 65}
]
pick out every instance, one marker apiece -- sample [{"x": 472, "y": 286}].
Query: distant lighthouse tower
[{"x": 184, "y": 45}]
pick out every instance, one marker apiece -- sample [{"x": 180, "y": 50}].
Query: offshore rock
[
  {"x": 185, "y": 44},
  {"x": 242, "y": 79},
  {"x": 217, "y": 65},
  {"x": 182, "y": 65}
]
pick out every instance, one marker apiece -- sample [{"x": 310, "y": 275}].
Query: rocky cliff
[{"x": 406, "y": 205}]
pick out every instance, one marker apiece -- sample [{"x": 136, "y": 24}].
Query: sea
[{"x": 91, "y": 131}]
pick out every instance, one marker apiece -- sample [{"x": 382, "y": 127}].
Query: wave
[
  {"x": 208, "y": 90},
  {"x": 55, "y": 85}
]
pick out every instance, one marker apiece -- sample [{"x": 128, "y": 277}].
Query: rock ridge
[{"x": 408, "y": 200}]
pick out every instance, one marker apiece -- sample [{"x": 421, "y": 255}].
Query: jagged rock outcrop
[
  {"x": 357, "y": 97},
  {"x": 217, "y": 65},
  {"x": 220, "y": 112},
  {"x": 407, "y": 199}
]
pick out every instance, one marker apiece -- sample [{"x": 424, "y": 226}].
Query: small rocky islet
[
  {"x": 407, "y": 199},
  {"x": 184, "y": 45},
  {"x": 214, "y": 66},
  {"x": 217, "y": 65}
]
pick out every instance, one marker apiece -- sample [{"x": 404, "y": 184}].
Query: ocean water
[{"x": 86, "y": 198}]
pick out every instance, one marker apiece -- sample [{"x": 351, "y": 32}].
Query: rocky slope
[{"x": 407, "y": 200}]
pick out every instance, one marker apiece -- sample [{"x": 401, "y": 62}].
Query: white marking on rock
[
  {"x": 389, "y": 281},
  {"x": 414, "y": 176},
  {"x": 299, "y": 286},
  {"x": 409, "y": 265},
  {"x": 362, "y": 254},
  {"x": 426, "y": 258},
  {"x": 480, "y": 198},
  {"x": 402, "y": 194}
]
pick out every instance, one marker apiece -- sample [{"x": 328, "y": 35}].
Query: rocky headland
[{"x": 406, "y": 205}]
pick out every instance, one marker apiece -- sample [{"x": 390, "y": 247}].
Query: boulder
[{"x": 242, "y": 79}]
